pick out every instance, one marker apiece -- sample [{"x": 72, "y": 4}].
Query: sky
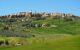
[{"x": 62, "y": 6}]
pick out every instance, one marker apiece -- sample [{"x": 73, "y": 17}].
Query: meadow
[{"x": 49, "y": 42}]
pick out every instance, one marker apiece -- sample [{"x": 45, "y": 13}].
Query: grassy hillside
[
  {"x": 62, "y": 27},
  {"x": 54, "y": 26},
  {"x": 57, "y": 34}
]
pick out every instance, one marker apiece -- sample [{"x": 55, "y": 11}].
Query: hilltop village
[{"x": 42, "y": 15}]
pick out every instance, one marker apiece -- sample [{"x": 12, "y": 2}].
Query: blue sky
[{"x": 63, "y": 6}]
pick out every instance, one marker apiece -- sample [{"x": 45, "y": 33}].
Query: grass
[{"x": 50, "y": 42}]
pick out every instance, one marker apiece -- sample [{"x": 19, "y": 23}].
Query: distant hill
[{"x": 25, "y": 24}]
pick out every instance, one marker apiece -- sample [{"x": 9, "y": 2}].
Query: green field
[{"x": 49, "y": 42}]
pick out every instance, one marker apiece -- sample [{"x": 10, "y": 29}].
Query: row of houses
[{"x": 41, "y": 14}]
